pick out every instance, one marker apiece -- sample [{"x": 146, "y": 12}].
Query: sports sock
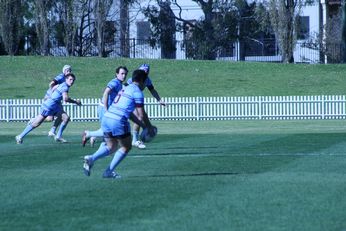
[
  {"x": 135, "y": 136},
  {"x": 57, "y": 122},
  {"x": 53, "y": 129},
  {"x": 101, "y": 152},
  {"x": 118, "y": 157},
  {"x": 97, "y": 133},
  {"x": 61, "y": 129},
  {"x": 26, "y": 130}
]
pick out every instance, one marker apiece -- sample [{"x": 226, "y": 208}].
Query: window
[
  {"x": 143, "y": 31},
  {"x": 303, "y": 27}
]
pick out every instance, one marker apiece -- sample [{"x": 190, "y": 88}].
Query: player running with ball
[{"x": 116, "y": 127}]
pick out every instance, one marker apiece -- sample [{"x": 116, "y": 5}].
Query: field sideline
[{"x": 196, "y": 175}]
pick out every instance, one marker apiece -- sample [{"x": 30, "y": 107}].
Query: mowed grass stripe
[{"x": 196, "y": 180}]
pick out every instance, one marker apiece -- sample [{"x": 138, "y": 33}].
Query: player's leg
[
  {"x": 31, "y": 126},
  {"x": 136, "y": 142},
  {"x": 106, "y": 148},
  {"x": 120, "y": 154},
  {"x": 124, "y": 140},
  {"x": 92, "y": 135},
  {"x": 57, "y": 122},
  {"x": 65, "y": 120}
]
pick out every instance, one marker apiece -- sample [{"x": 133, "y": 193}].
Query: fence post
[
  {"x": 7, "y": 110},
  {"x": 260, "y": 107},
  {"x": 134, "y": 47},
  {"x": 71, "y": 112},
  {"x": 198, "y": 107},
  {"x": 323, "y": 107}
]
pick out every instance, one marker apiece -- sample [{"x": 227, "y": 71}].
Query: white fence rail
[{"x": 200, "y": 108}]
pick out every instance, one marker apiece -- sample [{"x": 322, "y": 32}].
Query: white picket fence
[{"x": 200, "y": 108}]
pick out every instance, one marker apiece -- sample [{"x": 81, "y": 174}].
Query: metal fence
[
  {"x": 252, "y": 50},
  {"x": 200, "y": 108}
]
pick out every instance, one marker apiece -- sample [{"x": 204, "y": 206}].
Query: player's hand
[
  {"x": 162, "y": 103},
  {"x": 78, "y": 102}
]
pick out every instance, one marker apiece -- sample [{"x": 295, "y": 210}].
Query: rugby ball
[{"x": 146, "y": 136}]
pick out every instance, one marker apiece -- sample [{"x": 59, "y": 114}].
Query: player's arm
[
  {"x": 156, "y": 95},
  {"x": 53, "y": 83},
  {"x": 67, "y": 99},
  {"x": 136, "y": 120},
  {"x": 141, "y": 118},
  {"x": 105, "y": 97}
]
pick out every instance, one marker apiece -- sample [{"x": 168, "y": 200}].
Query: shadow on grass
[{"x": 190, "y": 175}]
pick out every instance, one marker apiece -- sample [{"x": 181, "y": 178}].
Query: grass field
[
  {"x": 197, "y": 175},
  {"x": 28, "y": 77}
]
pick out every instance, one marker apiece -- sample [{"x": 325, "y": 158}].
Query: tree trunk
[
  {"x": 69, "y": 28},
  {"x": 101, "y": 11},
  {"x": 344, "y": 32},
  {"x": 42, "y": 27},
  {"x": 167, "y": 37},
  {"x": 124, "y": 30},
  {"x": 11, "y": 27}
]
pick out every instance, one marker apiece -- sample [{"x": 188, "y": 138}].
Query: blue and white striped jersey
[
  {"x": 59, "y": 79},
  {"x": 115, "y": 85},
  {"x": 56, "y": 96},
  {"x": 125, "y": 103}
]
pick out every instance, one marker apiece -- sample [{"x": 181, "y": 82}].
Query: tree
[
  {"x": 284, "y": 19},
  {"x": 42, "y": 16},
  {"x": 284, "y": 15},
  {"x": 163, "y": 24},
  {"x": 101, "y": 9},
  {"x": 68, "y": 20},
  {"x": 124, "y": 29},
  {"x": 203, "y": 37},
  {"x": 344, "y": 31},
  {"x": 11, "y": 24},
  {"x": 84, "y": 32}
]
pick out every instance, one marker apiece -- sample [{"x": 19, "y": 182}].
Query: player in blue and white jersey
[
  {"x": 111, "y": 91},
  {"x": 148, "y": 84},
  {"x": 51, "y": 107},
  {"x": 52, "y": 85},
  {"x": 116, "y": 126}
]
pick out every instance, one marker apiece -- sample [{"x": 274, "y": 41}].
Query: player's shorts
[
  {"x": 51, "y": 111},
  {"x": 110, "y": 135},
  {"x": 101, "y": 111},
  {"x": 116, "y": 128}
]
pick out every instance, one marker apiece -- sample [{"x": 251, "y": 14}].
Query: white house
[{"x": 313, "y": 18}]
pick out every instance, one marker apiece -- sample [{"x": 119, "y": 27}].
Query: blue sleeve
[
  {"x": 112, "y": 84},
  {"x": 59, "y": 78},
  {"x": 149, "y": 84},
  {"x": 139, "y": 98}
]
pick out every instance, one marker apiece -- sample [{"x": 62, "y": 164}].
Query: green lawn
[
  {"x": 28, "y": 77},
  {"x": 196, "y": 175}
]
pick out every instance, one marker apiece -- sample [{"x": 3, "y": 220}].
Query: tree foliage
[
  {"x": 163, "y": 24},
  {"x": 42, "y": 15},
  {"x": 344, "y": 31},
  {"x": 101, "y": 9},
  {"x": 217, "y": 29},
  {"x": 11, "y": 24}
]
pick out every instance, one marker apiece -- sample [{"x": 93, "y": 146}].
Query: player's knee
[
  {"x": 65, "y": 118},
  {"x": 49, "y": 119}
]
